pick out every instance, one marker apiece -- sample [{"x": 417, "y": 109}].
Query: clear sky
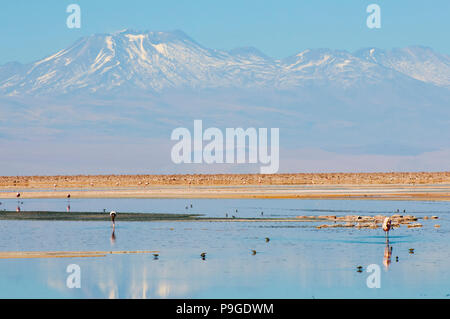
[{"x": 30, "y": 30}]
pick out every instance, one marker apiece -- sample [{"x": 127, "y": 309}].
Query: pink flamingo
[
  {"x": 113, "y": 217},
  {"x": 387, "y": 225}
]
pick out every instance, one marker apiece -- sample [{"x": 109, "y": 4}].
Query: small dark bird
[
  {"x": 186, "y": 207},
  {"x": 262, "y": 213},
  {"x": 236, "y": 210},
  {"x": 396, "y": 258},
  {"x": 253, "y": 252},
  {"x": 267, "y": 239},
  {"x": 191, "y": 205},
  {"x": 68, "y": 195},
  {"x": 226, "y": 215},
  {"x": 359, "y": 268},
  {"x": 233, "y": 216},
  {"x": 18, "y": 195},
  {"x": 203, "y": 255},
  {"x": 411, "y": 250},
  {"x": 155, "y": 256}
]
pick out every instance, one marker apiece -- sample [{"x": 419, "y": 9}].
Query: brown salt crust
[
  {"x": 66, "y": 254},
  {"x": 96, "y": 181},
  {"x": 379, "y": 192},
  {"x": 415, "y": 225}
]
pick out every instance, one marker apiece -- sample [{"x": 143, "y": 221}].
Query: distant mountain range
[
  {"x": 108, "y": 104},
  {"x": 155, "y": 61}
]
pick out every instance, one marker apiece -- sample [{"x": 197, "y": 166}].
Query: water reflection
[
  {"x": 299, "y": 262},
  {"x": 254, "y": 208},
  {"x": 113, "y": 236},
  {"x": 387, "y": 254},
  {"x": 181, "y": 274}
]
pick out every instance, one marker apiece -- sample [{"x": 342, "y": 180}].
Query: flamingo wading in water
[
  {"x": 387, "y": 225},
  {"x": 18, "y": 201},
  {"x": 113, "y": 217}
]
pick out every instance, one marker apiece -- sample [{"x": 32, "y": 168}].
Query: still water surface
[{"x": 299, "y": 261}]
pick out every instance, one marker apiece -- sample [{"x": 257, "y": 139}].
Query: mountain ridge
[{"x": 153, "y": 61}]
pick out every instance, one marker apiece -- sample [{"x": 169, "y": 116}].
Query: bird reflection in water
[
  {"x": 387, "y": 255},
  {"x": 113, "y": 236},
  {"x": 68, "y": 208},
  {"x": 18, "y": 209}
]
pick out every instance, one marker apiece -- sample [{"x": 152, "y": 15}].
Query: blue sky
[{"x": 30, "y": 30}]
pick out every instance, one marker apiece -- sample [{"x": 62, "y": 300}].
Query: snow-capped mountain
[
  {"x": 154, "y": 61},
  {"x": 335, "y": 67},
  {"x": 109, "y": 102},
  {"x": 128, "y": 59},
  {"x": 420, "y": 63}
]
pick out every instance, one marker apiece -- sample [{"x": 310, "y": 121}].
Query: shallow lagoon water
[
  {"x": 247, "y": 208},
  {"x": 299, "y": 261}
]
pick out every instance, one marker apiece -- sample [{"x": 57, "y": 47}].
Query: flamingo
[
  {"x": 68, "y": 203},
  {"x": 113, "y": 217},
  {"x": 387, "y": 225}
]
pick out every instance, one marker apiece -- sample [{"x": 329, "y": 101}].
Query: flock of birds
[
  {"x": 386, "y": 226},
  {"x": 113, "y": 215}
]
